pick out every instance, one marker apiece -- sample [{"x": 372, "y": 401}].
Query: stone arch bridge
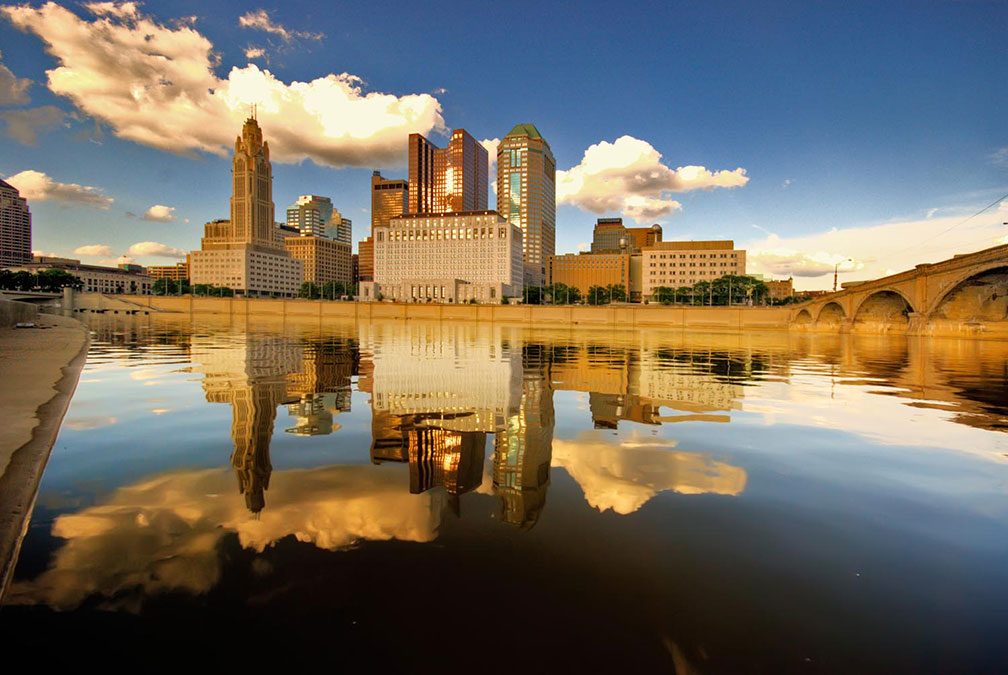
[{"x": 965, "y": 295}]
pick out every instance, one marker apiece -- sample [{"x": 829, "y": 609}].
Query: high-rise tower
[
  {"x": 443, "y": 180},
  {"x": 15, "y": 227},
  {"x": 526, "y": 195},
  {"x": 252, "y": 187}
]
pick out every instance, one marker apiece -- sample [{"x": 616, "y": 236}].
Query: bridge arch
[
  {"x": 883, "y": 310},
  {"x": 831, "y": 314},
  {"x": 977, "y": 296},
  {"x": 803, "y": 318}
]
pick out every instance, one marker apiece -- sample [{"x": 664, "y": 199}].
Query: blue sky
[{"x": 866, "y": 132}]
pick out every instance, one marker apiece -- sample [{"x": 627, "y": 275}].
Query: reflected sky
[{"x": 721, "y": 460}]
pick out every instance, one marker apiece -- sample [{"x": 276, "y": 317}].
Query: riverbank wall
[{"x": 607, "y": 316}]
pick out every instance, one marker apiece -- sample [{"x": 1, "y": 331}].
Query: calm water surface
[{"x": 426, "y": 497}]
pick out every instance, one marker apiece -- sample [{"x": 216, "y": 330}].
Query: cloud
[
  {"x": 13, "y": 90},
  {"x": 876, "y": 249},
  {"x": 628, "y": 176},
  {"x": 584, "y": 247},
  {"x": 153, "y": 248},
  {"x": 157, "y": 85},
  {"x": 260, "y": 20},
  {"x": 24, "y": 125},
  {"x": 1000, "y": 157},
  {"x": 254, "y": 52},
  {"x": 624, "y": 477},
  {"x": 931, "y": 212},
  {"x": 159, "y": 213},
  {"x": 786, "y": 184},
  {"x": 163, "y": 534},
  {"x": 94, "y": 250},
  {"x": 121, "y": 10},
  {"x": 36, "y": 186},
  {"x": 490, "y": 145}
]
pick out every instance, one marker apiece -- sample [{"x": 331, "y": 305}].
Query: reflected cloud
[
  {"x": 626, "y": 476},
  {"x": 163, "y": 534},
  {"x": 88, "y": 423}
]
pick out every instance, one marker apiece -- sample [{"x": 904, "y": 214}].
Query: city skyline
[{"x": 776, "y": 131}]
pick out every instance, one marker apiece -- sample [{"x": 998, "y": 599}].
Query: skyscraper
[
  {"x": 389, "y": 198},
  {"x": 15, "y": 227},
  {"x": 526, "y": 195},
  {"x": 312, "y": 215},
  {"x": 246, "y": 253},
  {"x": 448, "y": 179}
]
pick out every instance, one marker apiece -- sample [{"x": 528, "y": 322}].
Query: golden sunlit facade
[
  {"x": 584, "y": 270},
  {"x": 323, "y": 260},
  {"x": 683, "y": 263},
  {"x": 447, "y": 179}
]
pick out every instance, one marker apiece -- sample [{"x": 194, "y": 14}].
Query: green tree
[
  {"x": 617, "y": 292},
  {"x": 55, "y": 281},
  {"x": 598, "y": 295},
  {"x": 23, "y": 281},
  {"x": 533, "y": 295},
  {"x": 309, "y": 289},
  {"x": 333, "y": 290}
]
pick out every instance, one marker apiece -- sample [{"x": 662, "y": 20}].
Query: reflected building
[
  {"x": 523, "y": 448},
  {"x": 251, "y": 376},
  {"x": 320, "y": 389}
]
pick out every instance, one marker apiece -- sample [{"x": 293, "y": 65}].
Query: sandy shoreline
[{"x": 39, "y": 369}]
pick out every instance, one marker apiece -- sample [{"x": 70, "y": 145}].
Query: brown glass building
[
  {"x": 447, "y": 179},
  {"x": 388, "y": 200}
]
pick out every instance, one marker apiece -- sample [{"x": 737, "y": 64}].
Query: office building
[
  {"x": 246, "y": 253},
  {"x": 683, "y": 263},
  {"x": 610, "y": 236},
  {"x": 15, "y": 227},
  {"x": 446, "y": 257},
  {"x": 314, "y": 216},
  {"x": 322, "y": 259},
  {"x": 125, "y": 279},
  {"x": 177, "y": 272},
  {"x": 450, "y": 179},
  {"x": 526, "y": 195},
  {"x": 782, "y": 289},
  {"x": 584, "y": 270},
  {"x": 389, "y": 198}
]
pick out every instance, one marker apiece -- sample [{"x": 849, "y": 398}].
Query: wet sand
[{"x": 39, "y": 369}]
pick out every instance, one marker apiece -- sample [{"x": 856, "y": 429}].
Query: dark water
[{"x": 421, "y": 497}]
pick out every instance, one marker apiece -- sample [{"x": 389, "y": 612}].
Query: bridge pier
[{"x": 68, "y": 298}]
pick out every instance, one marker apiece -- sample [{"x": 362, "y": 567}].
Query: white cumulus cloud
[
  {"x": 260, "y": 20},
  {"x": 94, "y": 251},
  {"x": 628, "y": 176},
  {"x": 254, "y": 52},
  {"x": 36, "y": 186},
  {"x": 160, "y": 213},
  {"x": 156, "y": 85},
  {"x": 153, "y": 248}
]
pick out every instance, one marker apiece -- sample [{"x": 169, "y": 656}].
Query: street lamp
[{"x": 836, "y": 269}]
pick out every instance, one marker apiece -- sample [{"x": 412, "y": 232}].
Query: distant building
[
  {"x": 314, "y": 216},
  {"x": 389, "y": 199},
  {"x": 451, "y": 179},
  {"x": 610, "y": 236},
  {"x": 355, "y": 269},
  {"x": 446, "y": 257},
  {"x": 683, "y": 263},
  {"x": 177, "y": 272},
  {"x": 97, "y": 278},
  {"x": 526, "y": 195},
  {"x": 246, "y": 253},
  {"x": 781, "y": 289},
  {"x": 322, "y": 259},
  {"x": 584, "y": 270},
  {"x": 15, "y": 227}
]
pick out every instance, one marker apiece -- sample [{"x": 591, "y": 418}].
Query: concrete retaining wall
[{"x": 12, "y": 312}]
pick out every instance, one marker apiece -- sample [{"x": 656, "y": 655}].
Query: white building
[
  {"x": 683, "y": 263},
  {"x": 447, "y": 257}
]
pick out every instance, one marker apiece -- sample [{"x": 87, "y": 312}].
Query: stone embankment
[{"x": 39, "y": 369}]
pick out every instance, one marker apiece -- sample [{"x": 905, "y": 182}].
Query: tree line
[
  {"x": 49, "y": 281},
  {"x": 729, "y": 289}
]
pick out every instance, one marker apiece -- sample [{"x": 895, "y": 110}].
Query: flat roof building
[
  {"x": 674, "y": 264},
  {"x": 15, "y": 227},
  {"x": 584, "y": 270},
  {"x": 611, "y": 236},
  {"x": 451, "y": 179},
  {"x": 322, "y": 259}
]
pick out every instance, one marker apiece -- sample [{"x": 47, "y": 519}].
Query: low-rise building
[
  {"x": 584, "y": 270},
  {"x": 96, "y": 278},
  {"x": 683, "y": 263},
  {"x": 177, "y": 272},
  {"x": 446, "y": 257},
  {"x": 611, "y": 236},
  {"x": 780, "y": 290},
  {"x": 323, "y": 260}
]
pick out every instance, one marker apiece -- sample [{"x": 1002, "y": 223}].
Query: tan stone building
[
  {"x": 128, "y": 279},
  {"x": 322, "y": 259},
  {"x": 584, "y": 270},
  {"x": 15, "y": 227},
  {"x": 446, "y": 257},
  {"x": 683, "y": 263},
  {"x": 246, "y": 253},
  {"x": 610, "y": 236},
  {"x": 177, "y": 272},
  {"x": 781, "y": 289},
  {"x": 526, "y": 195},
  {"x": 389, "y": 198}
]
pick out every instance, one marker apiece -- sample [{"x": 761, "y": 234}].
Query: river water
[{"x": 423, "y": 497}]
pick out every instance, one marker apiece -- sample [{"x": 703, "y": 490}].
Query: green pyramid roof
[{"x": 525, "y": 130}]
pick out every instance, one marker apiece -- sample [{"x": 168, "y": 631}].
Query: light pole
[{"x": 836, "y": 269}]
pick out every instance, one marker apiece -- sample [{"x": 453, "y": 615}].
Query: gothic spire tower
[{"x": 252, "y": 187}]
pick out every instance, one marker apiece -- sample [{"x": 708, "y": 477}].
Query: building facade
[
  {"x": 247, "y": 253},
  {"x": 15, "y": 227},
  {"x": 683, "y": 263},
  {"x": 446, "y": 257},
  {"x": 584, "y": 270},
  {"x": 314, "y": 216},
  {"x": 177, "y": 272},
  {"x": 124, "y": 280},
  {"x": 322, "y": 259},
  {"x": 526, "y": 195},
  {"x": 389, "y": 198},
  {"x": 781, "y": 289},
  {"x": 450, "y": 179}
]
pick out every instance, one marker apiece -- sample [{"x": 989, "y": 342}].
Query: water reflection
[{"x": 468, "y": 412}]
